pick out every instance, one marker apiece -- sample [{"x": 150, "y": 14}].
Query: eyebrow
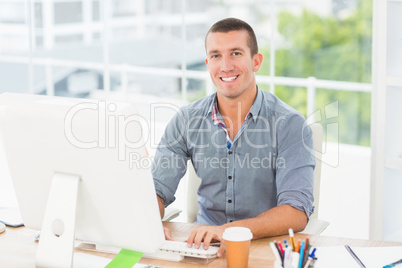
[{"x": 231, "y": 50}]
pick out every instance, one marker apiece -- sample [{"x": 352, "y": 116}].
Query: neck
[{"x": 237, "y": 108}]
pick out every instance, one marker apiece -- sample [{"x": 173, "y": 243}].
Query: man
[{"x": 247, "y": 146}]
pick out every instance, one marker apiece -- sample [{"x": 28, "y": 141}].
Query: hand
[
  {"x": 168, "y": 235},
  {"x": 206, "y": 234}
]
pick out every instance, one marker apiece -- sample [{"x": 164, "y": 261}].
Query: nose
[{"x": 226, "y": 64}]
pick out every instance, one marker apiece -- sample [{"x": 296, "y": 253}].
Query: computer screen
[{"x": 80, "y": 170}]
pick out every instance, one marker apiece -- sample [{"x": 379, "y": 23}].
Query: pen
[
  {"x": 281, "y": 248},
  {"x": 292, "y": 238},
  {"x": 310, "y": 258},
  {"x": 301, "y": 254},
  {"x": 306, "y": 251},
  {"x": 355, "y": 256},
  {"x": 275, "y": 251},
  {"x": 298, "y": 246},
  {"x": 393, "y": 264},
  {"x": 287, "y": 260}
]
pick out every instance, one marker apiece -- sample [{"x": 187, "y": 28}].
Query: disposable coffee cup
[{"x": 237, "y": 241}]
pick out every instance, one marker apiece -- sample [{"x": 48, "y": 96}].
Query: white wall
[
  {"x": 345, "y": 192},
  {"x": 7, "y": 194}
]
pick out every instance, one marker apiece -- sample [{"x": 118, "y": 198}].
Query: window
[
  {"x": 314, "y": 54},
  {"x": 317, "y": 55},
  {"x": 67, "y": 12}
]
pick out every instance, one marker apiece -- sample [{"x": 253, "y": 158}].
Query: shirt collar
[
  {"x": 216, "y": 116},
  {"x": 212, "y": 104},
  {"x": 254, "y": 110}
]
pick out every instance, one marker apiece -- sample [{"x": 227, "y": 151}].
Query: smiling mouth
[{"x": 229, "y": 79}]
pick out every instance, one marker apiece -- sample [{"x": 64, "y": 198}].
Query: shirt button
[
  {"x": 230, "y": 201},
  {"x": 230, "y": 177},
  {"x": 230, "y": 152}
]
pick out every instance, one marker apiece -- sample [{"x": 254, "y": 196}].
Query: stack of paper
[{"x": 371, "y": 257}]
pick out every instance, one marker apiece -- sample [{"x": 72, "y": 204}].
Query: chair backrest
[
  {"x": 317, "y": 146},
  {"x": 193, "y": 182}
]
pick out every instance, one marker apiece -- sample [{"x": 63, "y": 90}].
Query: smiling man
[{"x": 249, "y": 148}]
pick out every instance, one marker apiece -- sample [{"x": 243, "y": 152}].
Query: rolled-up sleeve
[
  {"x": 170, "y": 161},
  {"x": 295, "y": 164}
]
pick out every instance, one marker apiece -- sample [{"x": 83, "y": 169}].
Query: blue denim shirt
[{"x": 268, "y": 164}]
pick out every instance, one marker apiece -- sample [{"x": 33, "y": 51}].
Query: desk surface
[{"x": 17, "y": 247}]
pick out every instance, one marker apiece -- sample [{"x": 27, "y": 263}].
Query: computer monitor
[{"x": 80, "y": 170}]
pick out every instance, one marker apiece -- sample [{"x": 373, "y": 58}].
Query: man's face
[{"x": 230, "y": 63}]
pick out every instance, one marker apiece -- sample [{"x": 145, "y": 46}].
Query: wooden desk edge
[{"x": 18, "y": 245}]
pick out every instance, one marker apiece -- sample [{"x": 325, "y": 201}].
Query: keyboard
[
  {"x": 181, "y": 248},
  {"x": 169, "y": 250}
]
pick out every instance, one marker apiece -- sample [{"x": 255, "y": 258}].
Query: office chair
[
  {"x": 171, "y": 213},
  {"x": 314, "y": 226}
]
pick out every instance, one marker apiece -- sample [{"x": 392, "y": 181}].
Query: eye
[
  {"x": 215, "y": 56},
  {"x": 236, "y": 53}
]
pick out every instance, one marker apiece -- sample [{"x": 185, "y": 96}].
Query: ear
[
  {"x": 207, "y": 63},
  {"x": 257, "y": 60}
]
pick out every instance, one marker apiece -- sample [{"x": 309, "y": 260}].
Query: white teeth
[{"x": 229, "y": 79}]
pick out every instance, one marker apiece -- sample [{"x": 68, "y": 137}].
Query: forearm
[
  {"x": 274, "y": 222},
  {"x": 161, "y": 204}
]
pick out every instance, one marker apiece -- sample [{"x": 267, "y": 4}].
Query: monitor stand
[{"x": 56, "y": 244}]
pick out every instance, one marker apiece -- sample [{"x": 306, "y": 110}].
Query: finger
[
  {"x": 207, "y": 240},
  {"x": 199, "y": 237},
  {"x": 221, "y": 250},
  {"x": 190, "y": 239}
]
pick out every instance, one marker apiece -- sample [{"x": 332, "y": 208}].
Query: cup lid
[{"x": 237, "y": 234}]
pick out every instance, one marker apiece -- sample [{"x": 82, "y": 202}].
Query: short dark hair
[{"x": 233, "y": 24}]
